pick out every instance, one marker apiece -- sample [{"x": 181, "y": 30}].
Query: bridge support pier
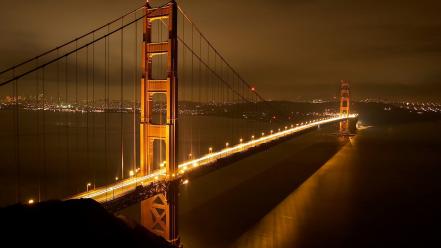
[{"x": 158, "y": 213}]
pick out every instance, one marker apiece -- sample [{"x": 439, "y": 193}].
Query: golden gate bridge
[{"x": 134, "y": 107}]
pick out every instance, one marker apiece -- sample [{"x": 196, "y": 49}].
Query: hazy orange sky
[{"x": 291, "y": 50}]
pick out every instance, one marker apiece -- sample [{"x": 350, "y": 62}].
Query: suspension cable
[
  {"x": 71, "y": 41},
  {"x": 75, "y": 50}
]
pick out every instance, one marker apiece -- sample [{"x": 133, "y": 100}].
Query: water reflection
[
  {"x": 216, "y": 209},
  {"x": 309, "y": 208}
]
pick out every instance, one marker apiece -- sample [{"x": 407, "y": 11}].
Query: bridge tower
[
  {"x": 344, "y": 98},
  {"x": 158, "y": 213},
  {"x": 344, "y": 105}
]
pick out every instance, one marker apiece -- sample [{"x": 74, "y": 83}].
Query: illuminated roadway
[{"x": 123, "y": 187}]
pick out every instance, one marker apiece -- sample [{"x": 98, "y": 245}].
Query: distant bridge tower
[
  {"x": 158, "y": 213},
  {"x": 344, "y": 98},
  {"x": 344, "y": 106}
]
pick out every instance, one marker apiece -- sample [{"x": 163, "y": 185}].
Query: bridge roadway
[{"x": 123, "y": 187}]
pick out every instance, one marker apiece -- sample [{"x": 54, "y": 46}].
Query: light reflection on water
[
  {"x": 282, "y": 226},
  {"x": 219, "y": 207},
  {"x": 380, "y": 190}
]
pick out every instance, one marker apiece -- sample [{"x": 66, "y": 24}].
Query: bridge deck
[{"x": 123, "y": 187}]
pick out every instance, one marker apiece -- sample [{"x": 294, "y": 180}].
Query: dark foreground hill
[{"x": 81, "y": 223}]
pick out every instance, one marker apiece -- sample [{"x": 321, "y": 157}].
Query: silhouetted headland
[{"x": 83, "y": 223}]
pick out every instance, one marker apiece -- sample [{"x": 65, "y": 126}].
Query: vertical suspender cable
[
  {"x": 162, "y": 70},
  {"x": 58, "y": 107},
  {"x": 17, "y": 140},
  {"x": 44, "y": 134},
  {"x": 106, "y": 105},
  {"x": 122, "y": 97},
  {"x": 38, "y": 131},
  {"x": 87, "y": 114},
  {"x": 135, "y": 78},
  {"x": 182, "y": 83},
  {"x": 208, "y": 75},
  {"x": 213, "y": 81},
  {"x": 66, "y": 67},
  {"x": 199, "y": 91},
  {"x": 77, "y": 125},
  {"x": 192, "y": 88},
  {"x": 93, "y": 102},
  {"x": 109, "y": 116}
]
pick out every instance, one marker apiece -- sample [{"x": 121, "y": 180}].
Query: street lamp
[
  {"x": 87, "y": 186},
  {"x": 31, "y": 201},
  {"x": 131, "y": 173}
]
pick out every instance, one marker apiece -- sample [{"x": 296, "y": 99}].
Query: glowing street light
[
  {"x": 31, "y": 201},
  {"x": 227, "y": 144},
  {"x": 252, "y": 137},
  {"x": 190, "y": 155},
  {"x": 87, "y": 186},
  {"x": 263, "y": 134},
  {"x": 271, "y": 131},
  {"x": 241, "y": 140},
  {"x": 131, "y": 173},
  {"x": 116, "y": 178},
  {"x": 185, "y": 181},
  {"x": 210, "y": 149}
]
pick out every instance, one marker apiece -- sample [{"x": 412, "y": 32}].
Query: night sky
[{"x": 291, "y": 49}]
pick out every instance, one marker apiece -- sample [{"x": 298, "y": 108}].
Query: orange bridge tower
[
  {"x": 344, "y": 106},
  {"x": 158, "y": 143},
  {"x": 344, "y": 98}
]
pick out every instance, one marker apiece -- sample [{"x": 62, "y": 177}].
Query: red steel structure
[
  {"x": 344, "y": 98},
  {"x": 344, "y": 106},
  {"x": 158, "y": 213}
]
